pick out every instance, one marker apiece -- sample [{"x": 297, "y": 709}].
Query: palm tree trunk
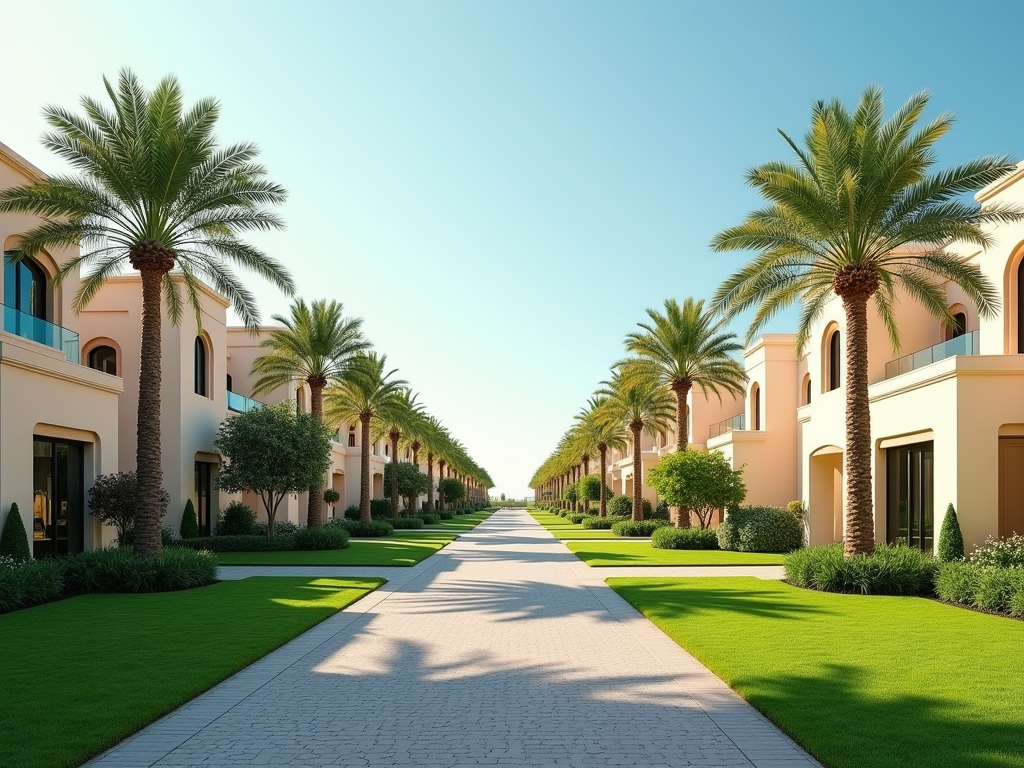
[
  {"x": 416, "y": 455},
  {"x": 681, "y": 389},
  {"x": 430, "y": 481},
  {"x": 394, "y": 435},
  {"x": 148, "y": 459},
  {"x": 440, "y": 477},
  {"x": 315, "y": 507},
  {"x": 604, "y": 468},
  {"x": 638, "y": 505},
  {"x": 860, "y": 522},
  {"x": 586, "y": 471},
  {"x": 364, "y": 469}
]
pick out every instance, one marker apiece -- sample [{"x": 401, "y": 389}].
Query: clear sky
[{"x": 508, "y": 185}]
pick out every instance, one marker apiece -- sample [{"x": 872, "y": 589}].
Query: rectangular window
[
  {"x": 204, "y": 492},
  {"x": 910, "y": 479}
]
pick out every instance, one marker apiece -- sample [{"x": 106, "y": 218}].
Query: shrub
[
  {"x": 996, "y": 588},
  {"x": 889, "y": 570},
  {"x": 951, "y": 540},
  {"x": 281, "y": 528},
  {"x": 114, "y": 500},
  {"x": 684, "y": 538},
  {"x": 982, "y": 586},
  {"x": 603, "y": 523},
  {"x": 331, "y": 496},
  {"x": 957, "y": 582},
  {"x": 589, "y": 488},
  {"x": 445, "y": 514},
  {"x": 702, "y": 483},
  {"x": 380, "y": 509},
  {"x": 13, "y": 539},
  {"x": 253, "y": 543},
  {"x": 352, "y": 512},
  {"x": 29, "y": 583},
  {"x": 622, "y": 506},
  {"x": 1000, "y": 554},
  {"x": 189, "y": 523},
  {"x": 313, "y": 539},
  {"x": 1017, "y": 604},
  {"x": 121, "y": 570},
  {"x": 760, "y": 529},
  {"x": 428, "y": 518},
  {"x": 637, "y": 527},
  {"x": 661, "y": 510},
  {"x": 237, "y": 520},
  {"x": 406, "y": 523},
  {"x": 356, "y": 529},
  {"x": 576, "y": 517}
]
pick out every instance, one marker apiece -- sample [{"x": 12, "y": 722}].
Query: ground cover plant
[
  {"x": 610, "y": 553},
  {"x": 576, "y": 532},
  {"x": 391, "y": 551},
  {"x": 176, "y": 646},
  {"x": 825, "y": 667},
  {"x": 889, "y": 570}
]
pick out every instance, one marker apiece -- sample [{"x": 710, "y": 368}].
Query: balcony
[
  {"x": 41, "y": 331},
  {"x": 737, "y": 422},
  {"x": 242, "y": 404},
  {"x": 962, "y": 345}
]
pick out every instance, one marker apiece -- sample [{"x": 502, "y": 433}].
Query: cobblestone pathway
[{"x": 502, "y": 649}]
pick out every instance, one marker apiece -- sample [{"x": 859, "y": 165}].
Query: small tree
[
  {"x": 570, "y": 494},
  {"x": 589, "y": 489},
  {"x": 411, "y": 482},
  {"x": 13, "y": 539},
  {"x": 951, "y": 540},
  {"x": 698, "y": 483},
  {"x": 503, "y": 497},
  {"x": 115, "y": 499},
  {"x": 189, "y": 528},
  {"x": 451, "y": 490},
  {"x": 331, "y": 497},
  {"x": 272, "y": 452}
]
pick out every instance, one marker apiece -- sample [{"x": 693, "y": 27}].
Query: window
[
  {"x": 229, "y": 383},
  {"x": 755, "y": 406},
  {"x": 352, "y": 436},
  {"x": 909, "y": 504},
  {"x": 959, "y": 326},
  {"x": 24, "y": 286},
  {"x": 104, "y": 358},
  {"x": 807, "y": 390},
  {"x": 200, "y": 366},
  {"x": 835, "y": 351}
]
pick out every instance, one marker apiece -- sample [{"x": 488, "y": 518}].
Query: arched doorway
[{"x": 825, "y": 503}]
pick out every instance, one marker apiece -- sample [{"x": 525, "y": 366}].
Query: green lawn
[
  {"x": 626, "y": 552},
  {"x": 394, "y": 550},
  {"x": 464, "y": 522},
  {"x": 578, "y": 532},
  {"x": 861, "y": 682},
  {"x": 549, "y": 521},
  {"x": 82, "y": 674}
]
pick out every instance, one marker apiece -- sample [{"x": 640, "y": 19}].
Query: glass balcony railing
[
  {"x": 242, "y": 404},
  {"x": 961, "y": 345},
  {"x": 736, "y": 422},
  {"x": 41, "y": 331}
]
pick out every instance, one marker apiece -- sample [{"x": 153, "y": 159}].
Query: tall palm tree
[
  {"x": 317, "y": 345},
  {"x": 152, "y": 191},
  {"x": 396, "y": 418},
  {"x": 644, "y": 405},
  {"x": 365, "y": 391},
  {"x": 434, "y": 439},
  {"x": 838, "y": 223},
  {"x": 603, "y": 434},
  {"x": 687, "y": 346}
]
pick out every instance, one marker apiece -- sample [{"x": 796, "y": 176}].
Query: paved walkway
[{"x": 502, "y": 649}]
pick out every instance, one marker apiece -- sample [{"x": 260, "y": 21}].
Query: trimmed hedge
[
  {"x": 951, "y": 539},
  {"x": 281, "y": 528},
  {"x": 13, "y": 539},
  {"x": 889, "y": 570},
  {"x": 251, "y": 543},
  {"x": 428, "y": 518},
  {"x": 316, "y": 539},
  {"x": 189, "y": 528},
  {"x": 602, "y": 523},
  {"x": 623, "y": 506},
  {"x": 637, "y": 527},
  {"x": 237, "y": 520},
  {"x": 577, "y": 517},
  {"x": 446, "y": 515},
  {"x": 406, "y": 523},
  {"x": 373, "y": 529},
  {"x": 684, "y": 538},
  {"x": 760, "y": 529}
]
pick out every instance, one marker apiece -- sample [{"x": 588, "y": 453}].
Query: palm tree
[
  {"x": 396, "y": 418},
  {"x": 365, "y": 391},
  {"x": 684, "y": 347},
  {"x": 317, "y": 345},
  {"x": 859, "y": 215},
  {"x": 644, "y": 405},
  {"x": 603, "y": 434},
  {"x": 434, "y": 439},
  {"x": 153, "y": 192}
]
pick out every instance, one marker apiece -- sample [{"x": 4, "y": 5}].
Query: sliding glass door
[
  {"x": 58, "y": 509},
  {"x": 910, "y": 503}
]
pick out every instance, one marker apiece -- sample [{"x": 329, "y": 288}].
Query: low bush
[
  {"x": 28, "y": 583},
  {"x": 352, "y": 512},
  {"x": 380, "y": 509},
  {"x": 684, "y": 538},
  {"x": 889, "y": 570},
  {"x": 760, "y": 529},
  {"x": 252, "y": 543},
  {"x": 446, "y": 515},
  {"x": 604, "y": 523},
  {"x": 121, "y": 570},
  {"x": 951, "y": 539},
  {"x": 994, "y": 553},
  {"x": 406, "y": 523},
  {"x": 982, "y": 586},
  {"x": 356, "y": 529},
  {"x": 281, "y": 528},
  {"x": 576, "y": 517},
  {"x": 315, "y": 539},
  {"x": 637, "y": 527},
  {"x": 13, "y": 539},
  {"x": 661, "y": 511},
  {"x": 189, "y": 528},
  {"x": 237, "y": 520},
  {"x": 622, "y": 506},
  {"x": 428, "y": 518}
]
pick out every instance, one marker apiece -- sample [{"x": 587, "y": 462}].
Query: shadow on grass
[{"x": 699, "y": 600}]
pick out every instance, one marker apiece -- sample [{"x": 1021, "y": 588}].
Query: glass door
[
  {"x": 910, "y": 506},
  {"x": 57, "y": 497}
]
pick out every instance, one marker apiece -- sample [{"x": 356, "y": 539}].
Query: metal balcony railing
[
  {"x": 961, "y": 345},
  {"x": 736, "y": 422},
  {"x": 242, "y": 404},
  {"x": 41, "y": 331}
]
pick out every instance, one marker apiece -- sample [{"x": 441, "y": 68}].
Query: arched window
[
  {"x": 807, "y": 391},
  {"x": 200, "y": 366},
  {"x": 1020, "y": 308},
  {"x": 835, "y": 352},
  {"x": 352, "y": 436},
  {"x": 755, "y": 407},
  {"x": 104, "y": 358},
  {"x": 229, "y": 383},
  {"x": 24, "y": 286}
]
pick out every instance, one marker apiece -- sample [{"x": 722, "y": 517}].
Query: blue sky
[{"x": 511, "y": 184}]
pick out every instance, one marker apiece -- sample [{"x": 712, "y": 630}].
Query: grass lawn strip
[
  {"x": 463, "y": 522},
  {"x": 576, "y": 532},
  {"x": 392, "y": 551},
  {"x": 861, "y": 682},
  {"x": 625, "y": 552},
  {"x": 107, "y": 665}
]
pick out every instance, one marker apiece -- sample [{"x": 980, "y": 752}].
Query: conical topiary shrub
[
  {"x": 951, "y": 540},
  {"x": 13, "y": 539},
  {"x": 189, "y": 524}
]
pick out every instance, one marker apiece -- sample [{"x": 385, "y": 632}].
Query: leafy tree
[
  {"x": 951, "y": 540},
  {"x": 570, "y": 494},
  {"x": 411, "y": 482},
  {"x": 189, "y": 528},
  {"x": 451, "y": 490},
  {"x": 273, "y": 452},
  {"x": 13, "y": 539},
  {"x": 153, "y": 192},
  {"x": 316, "y": 345},
  {"x": 503, "y": 497},
  {"x": 589, "y": 488},
  {"x": 365, "y": 392},
  {"x": 698, "y": 483},
  {"x": 115, "y": 499},
  {"x": 858, "y": 216}
]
